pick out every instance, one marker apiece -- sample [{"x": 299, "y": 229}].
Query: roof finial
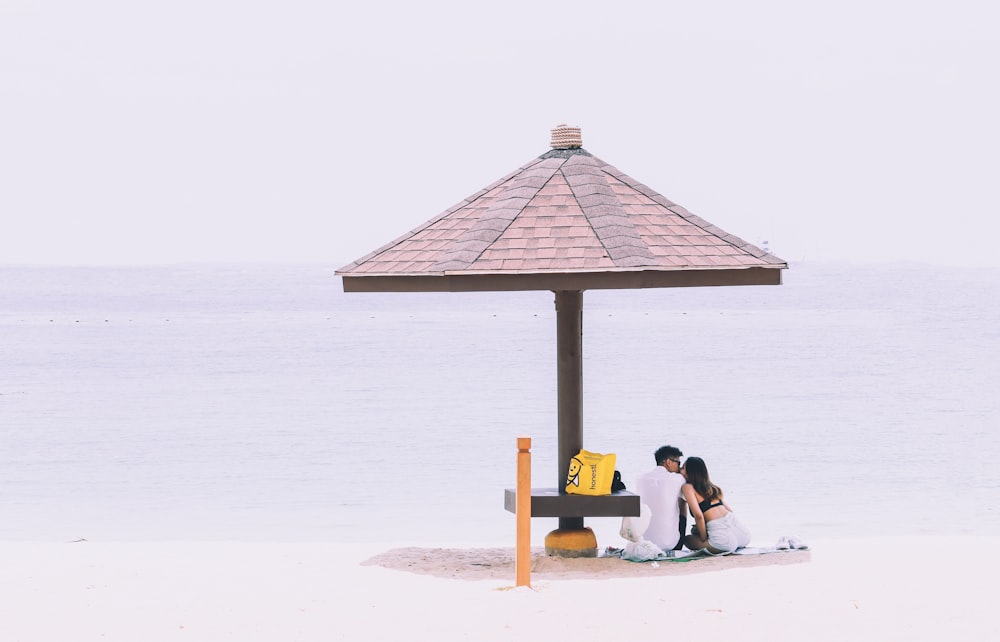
[{"x": 566, "y": 137}]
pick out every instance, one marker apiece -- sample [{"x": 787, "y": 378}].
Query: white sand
[{"x": 910, "y": 589}]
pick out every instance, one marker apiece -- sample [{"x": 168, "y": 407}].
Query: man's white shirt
[{"x": 661, "y": 491}]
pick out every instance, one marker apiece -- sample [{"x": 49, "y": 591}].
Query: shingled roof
[{"x": 565, "y": 220}]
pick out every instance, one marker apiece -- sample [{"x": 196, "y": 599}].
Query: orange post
[{"x": 522, "y": 552}]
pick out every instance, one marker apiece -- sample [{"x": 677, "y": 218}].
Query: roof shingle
[{"x": 569, "y": 211}]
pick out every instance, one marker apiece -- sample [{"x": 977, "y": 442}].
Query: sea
[{"x": 262, "y": 403}]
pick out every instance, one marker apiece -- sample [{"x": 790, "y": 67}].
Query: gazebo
[{"x": 566, "y": 222}]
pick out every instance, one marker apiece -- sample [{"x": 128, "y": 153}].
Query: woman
[{"x": 716, "y": 527}]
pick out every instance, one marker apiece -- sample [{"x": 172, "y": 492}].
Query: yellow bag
[{"x": 590, "y": 474}]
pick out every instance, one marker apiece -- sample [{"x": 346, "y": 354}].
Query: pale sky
[{"x": 308, "y": 131}]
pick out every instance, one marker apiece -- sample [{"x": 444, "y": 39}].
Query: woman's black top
[{"x": 707, "y": 504}]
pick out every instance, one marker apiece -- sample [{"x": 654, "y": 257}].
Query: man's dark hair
[{"x": 663, "y": 453}]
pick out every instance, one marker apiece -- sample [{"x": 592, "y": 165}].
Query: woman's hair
[{"x": 697, "y": 476}]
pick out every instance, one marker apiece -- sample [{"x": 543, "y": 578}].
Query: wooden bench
[{"x": 547, "y": 502}]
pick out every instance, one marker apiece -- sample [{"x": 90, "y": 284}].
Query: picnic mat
[{"x": 646, "y": 552}]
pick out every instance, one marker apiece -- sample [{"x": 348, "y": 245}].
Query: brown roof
[{"x": 565, "y": 220}]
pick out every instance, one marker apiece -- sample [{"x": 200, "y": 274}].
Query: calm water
[{"x": 262, "y": 403}]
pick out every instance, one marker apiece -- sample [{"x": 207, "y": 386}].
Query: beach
[
  {"x": 247, "y": 453},
  {"x": 849, "y": 589},
  {"x": 233, "y": 408}
]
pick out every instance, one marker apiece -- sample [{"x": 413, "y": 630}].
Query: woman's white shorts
[{"x": 727, "y": 533}]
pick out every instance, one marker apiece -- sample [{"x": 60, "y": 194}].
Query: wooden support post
[
  {"x": 522, "y": 553},
  {"x": 569, "y": 358}
]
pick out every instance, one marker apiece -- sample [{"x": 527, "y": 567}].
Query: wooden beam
[
  {"x": 557, "y": 281},
  {"x": 569, "y": 372},
  {"x": 549, "y": 502},
  {"x": 522, "y": 549}
]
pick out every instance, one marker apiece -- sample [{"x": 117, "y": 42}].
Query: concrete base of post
[{"x": 571, "y": 542}]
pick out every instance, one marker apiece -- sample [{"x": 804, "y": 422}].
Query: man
[{"x": 660, "y": 489}]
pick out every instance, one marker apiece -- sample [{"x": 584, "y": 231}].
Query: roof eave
[{"x": 596, "y": 280}]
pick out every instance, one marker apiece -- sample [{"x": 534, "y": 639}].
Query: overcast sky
[{"x": 216, "y": 130}]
